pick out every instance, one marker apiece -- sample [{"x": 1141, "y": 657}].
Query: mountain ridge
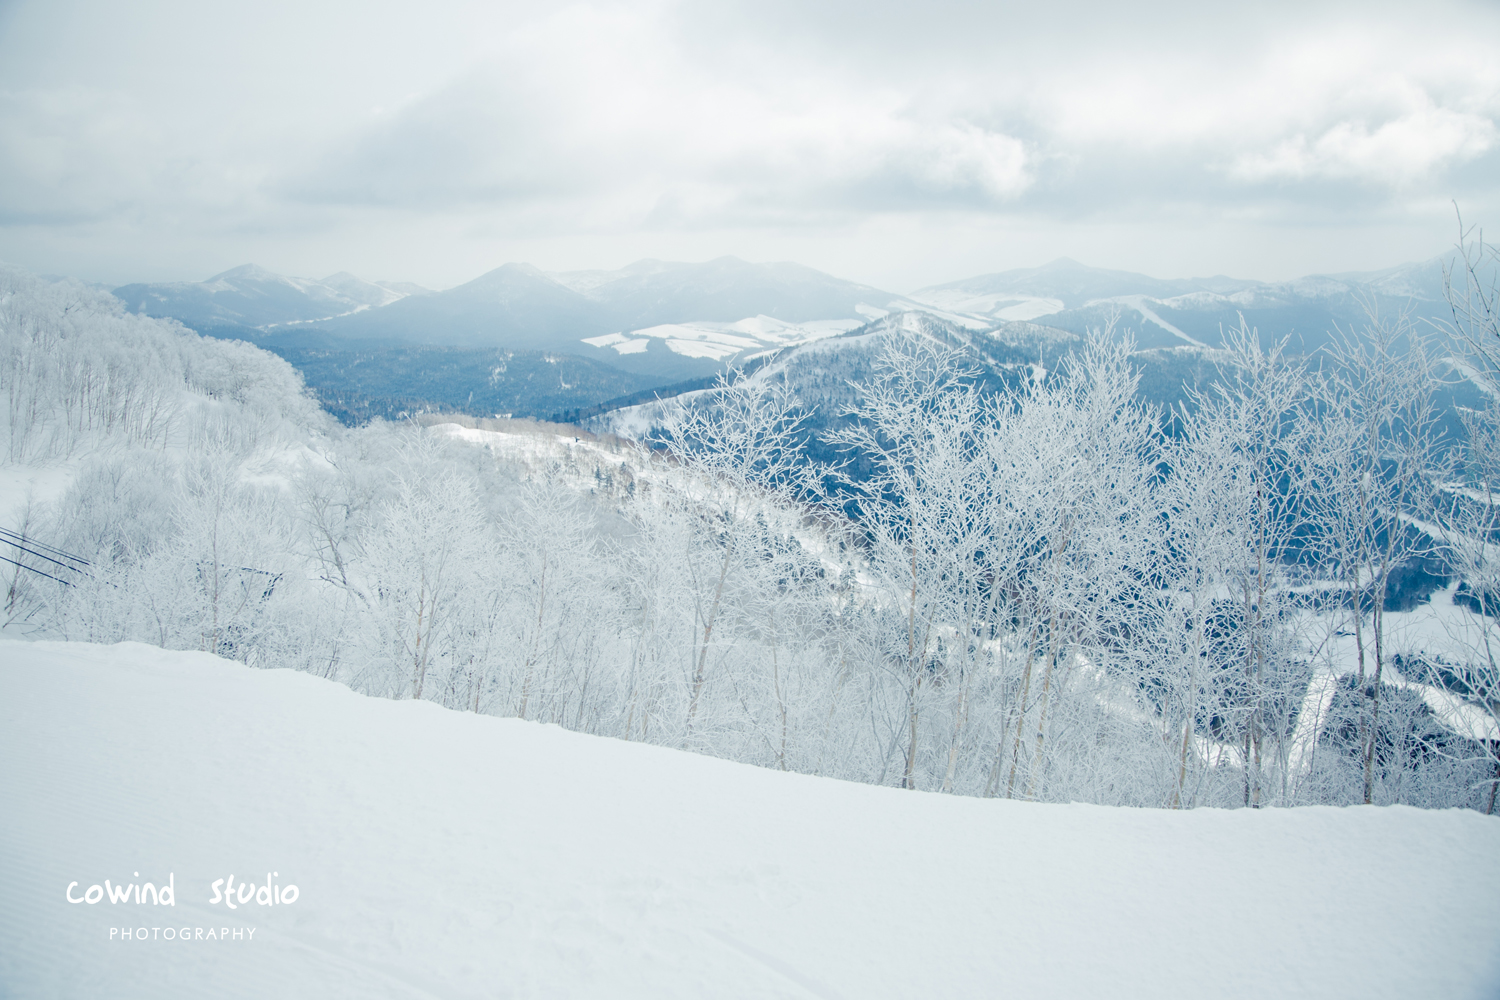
[{"x": 670, "y": 321}]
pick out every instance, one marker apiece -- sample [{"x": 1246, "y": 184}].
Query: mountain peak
[
  {"x": 358, "y": 290},
  {"x": 510, "y": 271},
  {"x": 248, "y": 272}
]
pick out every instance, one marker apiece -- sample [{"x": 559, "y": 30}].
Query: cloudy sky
[{"x": 899, "y": 144}]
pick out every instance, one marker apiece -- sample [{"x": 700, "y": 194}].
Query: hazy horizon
[{"x": 325, "y": 273}]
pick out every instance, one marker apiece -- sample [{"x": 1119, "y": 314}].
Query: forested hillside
[
  {"x": 1044, "y": 595},
  {"x": 389, "y": 383}
]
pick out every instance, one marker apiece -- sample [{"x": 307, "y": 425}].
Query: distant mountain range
[
  {"x": 653, "y": 317},
  {"x": 254, "y": 298},
  {"x": 1195, "y": 311},
  {"x": 658, "y": 322}
]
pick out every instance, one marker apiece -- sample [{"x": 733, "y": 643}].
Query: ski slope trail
[{"x": 439, "y": 854}]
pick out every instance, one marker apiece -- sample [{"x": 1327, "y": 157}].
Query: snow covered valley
[{"x": 445, "y": 854}]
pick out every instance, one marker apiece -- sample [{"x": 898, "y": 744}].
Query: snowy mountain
[
  {"x": 654, "y": 317},
  {"x": 676, "y": 320},
  {"x": 513, "y": 307},
  {"x": 370, "y": 293},
  {"x": 1062, "y": 284},
  {"x": 656, "y": 324},
  {"x": 651, "y": 324},
  {"x": 1423, "y": 280},
  {"x": 1194, "y": 311},
  {"x": 653, "y": 292},
  {"x": 823, "y": 371},
  {"x": 251, "y": 296}
]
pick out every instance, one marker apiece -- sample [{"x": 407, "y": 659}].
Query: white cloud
[
  {"x": 644, "y": 121},
  {"x": 958, "y": 160},
  {"x": 1395, "y": 152},
  {"x": 66, "y": 155},
  {"x": 606, "y": 114}
]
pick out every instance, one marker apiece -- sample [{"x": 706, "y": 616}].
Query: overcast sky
[{"x": 900, "y": 144}]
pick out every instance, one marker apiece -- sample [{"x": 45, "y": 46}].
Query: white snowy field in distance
[
  {"x": 442, "y": 854},
  {"x": 723, "y": 341},
  {"x": 982, "y": 307},
  {"x": 719, "y": 341},
  {"x": 997, "y": 305}
]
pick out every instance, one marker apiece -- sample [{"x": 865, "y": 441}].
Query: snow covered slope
[
  {"x": 252, "y": 296},
  {"x": 439, "y": 854},
  {"x": 1167, "y": 313},
  {"x": 652, "y": 292}
]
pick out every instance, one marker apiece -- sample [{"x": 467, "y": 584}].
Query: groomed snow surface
[{"x": 438, "y": 854}]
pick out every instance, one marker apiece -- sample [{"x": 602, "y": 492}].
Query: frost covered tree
[
  {"x": 422, "y": 563},
  {"x": 1235, "y": 521},
  {"x": 738, "y": 449},
  {"x": 1009, "y": 540},
  {"x": 550, "y": 580},
  {"x": 920, "y": 421},
  {"x": 1076, "y": 506},
  {"x": 1375, "y": 462},
  {"x": 1470, "y": 513}
]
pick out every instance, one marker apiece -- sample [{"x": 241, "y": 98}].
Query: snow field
[{"x": 440, "y": 854}]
